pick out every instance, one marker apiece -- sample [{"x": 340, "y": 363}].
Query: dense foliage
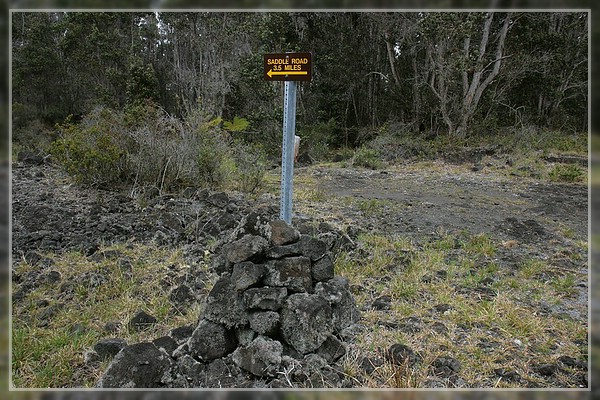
[{"x": 462, "y": 74}]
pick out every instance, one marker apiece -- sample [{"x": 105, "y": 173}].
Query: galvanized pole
[{"x": 287, "y": 153}]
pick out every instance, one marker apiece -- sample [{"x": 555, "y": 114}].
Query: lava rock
[
  {"x": 337, "y": 292},
  {"x": 323, "y": 270},
  {"x": 264, "y": 322},
  {"x": 282, "y": 233},
  {"x": 140, "y": 365},
  {"x": 167, "y": 343},
  {"x": 292, "y": 272},
  {"x": 108, "y": 348},
  {"x": 246, "y": 274},
  {"x": 224, "y": 305},
  {"x": 141, "y": 321},
  {"x": 265, "y": 298},
  {"x": 306, "y": 321},
  {"x": 210, "y": 341},
  {"x": 181, "y": 333},
  {"x": 382, "y": 303},
  {"x": 332, "y": 349},
  {"x": 400, "y": 354},
  {"x": 262, "y": 357},
  {"x": 181, "y": 296},
  {"x": 445, "y": 366},
  {"x": 245, "y": 249},
  {"x": 313, "y": 248}
]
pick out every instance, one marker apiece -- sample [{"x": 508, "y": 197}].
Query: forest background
[{"x": 356, "y": 100}]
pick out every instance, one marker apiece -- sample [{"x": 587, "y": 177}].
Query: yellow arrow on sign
[{"x": 271, "y": 73}]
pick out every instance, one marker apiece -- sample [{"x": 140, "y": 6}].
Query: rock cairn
[{"x": 276, "y": 317}]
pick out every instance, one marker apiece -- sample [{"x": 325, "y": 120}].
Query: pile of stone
[{"x": 276, "y": 317}]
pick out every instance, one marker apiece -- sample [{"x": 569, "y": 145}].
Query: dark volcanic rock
[
  {"x": 140, "y": 365},
  {"x": 292, "y": 272},
  {"x": 306, "y": 321},
  {"x": 282, "y": 233},
  {"x": 445, "y": 366},
  {"x": 264, "y": 322},
  {"x": 332, "y": 349},
  {"x": 224, "y": 305},
  {"x": 108, "y": 348},
  {"x": 262, "y": 357},
  {"x": 141, "y": 321},
  {"x": 210, "y": 341},
  {"x": 400, "y": 354},
  {"x": 313, "y": 248},
  {"x": 337, "y": 292},
  {"x": 167, "y": 343},
  {"x": 382, "y": 303},
  {"x": 181, "y": 296},
  {"x": 245, "y": 248},
  {"x": 246, "y": 274},
  {"x": 323, "y": 270},
  {"x": 265, "y": 298}
]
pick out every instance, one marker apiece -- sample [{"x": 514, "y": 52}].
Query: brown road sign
[{"x": 288, "y": 67}]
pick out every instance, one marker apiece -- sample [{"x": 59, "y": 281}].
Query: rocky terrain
[{"x": 523, "y": 219}]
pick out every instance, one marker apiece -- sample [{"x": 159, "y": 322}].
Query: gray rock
[
  {"x": 219, "y": 199},
  {"x": 332, "y": 349},
  {"x": 140, "y": 365},
  {"x": 210, "y": 341},
  {"x": 181, "y": 296},
  {"x": 181, "y": 333},
  {"x": 262, "y": 357},
  {"x": 289, "y": 250},
  {"x": 282, "y": 233},
  {"x": 264, "y": 322},
  {"x": 224, "y": 305},
  {"x": 265, "y": 298},
  {"x": 191, "y": 369},
  {"x": 220, "y": 265},
  {"x": 141, "y": 321},
  {"x": 167, "y": 343},
  {"x": 323, "y": 269},
  {"x": 293, "y": 273},
  {"x": 402, "y": 355},
  {"x": 244, "y": 335},
  {"x": 244, "y": 249},
  {"x": 246, "y": 274},
  {"x": 337, "y": 292},
  {"x": 306, "y": 321},
  {"x": 382, "y": 303},
  {"x": 254, "y": 223},
  {"x": 108, "y": 348},
  {"x": 313, "y": 248},
  {"x": 444, "y": 367}
]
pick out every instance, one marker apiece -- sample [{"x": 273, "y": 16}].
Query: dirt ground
[{"x": 453, "y": 198}]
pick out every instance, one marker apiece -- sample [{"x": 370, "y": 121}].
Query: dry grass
[
  {"x": 504, "y": 330},
  {"x": 47, "y": 356}
]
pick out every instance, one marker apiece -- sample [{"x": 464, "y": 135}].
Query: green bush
[
  {"x": 213, "y": 160},
  {"x": 90, "y": 154},
  {"x": 566, "y": 173},
  {"x": 368, "y": 158},
  {"x": 153, "y": 151}
]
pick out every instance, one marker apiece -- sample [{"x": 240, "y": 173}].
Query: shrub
[
  {"x": 250, "y": 168},
  {"x": 213, "y": 160},
  {"x": 91, "y": 153},
  {"x": 566, "y": 173},
  {"x": 368, "y": 158}
]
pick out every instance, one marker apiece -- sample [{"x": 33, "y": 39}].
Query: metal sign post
[
  {"x": 288, "y": 67},
  {"x": 287, "y": 152}
]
